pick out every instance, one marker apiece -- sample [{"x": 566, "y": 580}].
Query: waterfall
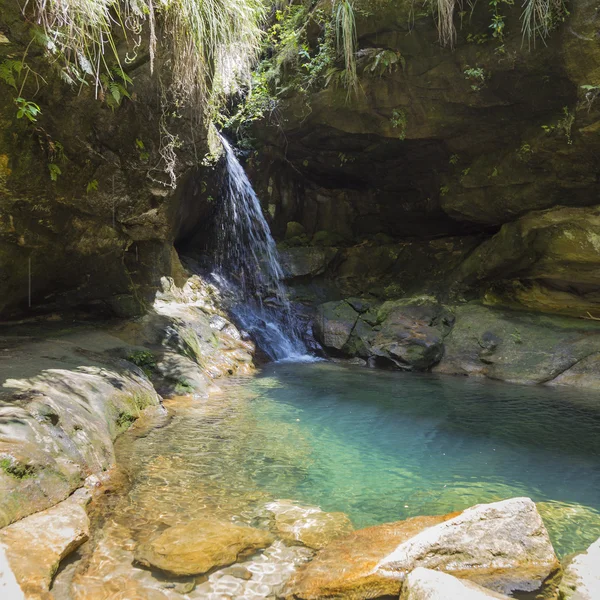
[{"x": 246, "y": 266}]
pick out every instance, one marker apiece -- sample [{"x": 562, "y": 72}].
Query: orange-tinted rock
[
  {"x": 346, "y": 568},
  {"x": 200, "y": 546}
]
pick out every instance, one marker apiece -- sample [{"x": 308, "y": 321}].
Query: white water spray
[{"x": 247, "y": 266}]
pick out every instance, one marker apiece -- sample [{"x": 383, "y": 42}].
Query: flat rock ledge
[
  {"x": 426, "y": 584},
  {"x": 31, "y": 549},
  {"x": 200, "y": 546},
  {"x": 502, "y": 546}
]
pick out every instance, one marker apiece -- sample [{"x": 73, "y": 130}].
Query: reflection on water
[{"x": 378, "y": 446}]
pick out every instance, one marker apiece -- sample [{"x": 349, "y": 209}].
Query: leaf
[{"x": 54, "y": 171}]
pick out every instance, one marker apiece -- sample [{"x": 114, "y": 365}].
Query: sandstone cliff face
[
  {"x": 101, "y": 228},
  {"x": 491, "y": 144}
]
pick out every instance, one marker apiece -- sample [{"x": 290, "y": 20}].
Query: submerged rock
[
  {"x": 581, "y": 580},
  {"x": 426, "y": 584},
  {"x": 34, "y": 546},
  {"x": 309, "y": 526},
  {"x": 201, "y": 545},
  {"x": 503, "y": 546}
]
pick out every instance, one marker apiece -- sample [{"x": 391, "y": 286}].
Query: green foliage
[
  {"x": 209, "y": 41},
  {"x": 399, "y": 121},
  {"x": 563, "y": 125},
  {"x": 541, "y": 17},
  {"x": 477, "y": 77},
  {"x": 383, "y": 61},
  {"x": 54, "y": 171},
  {"x": 92, "y": 186},
  {"x": 184, "y": 387},
  {"x": 524, "y": 152},
  {"x": 538, "y": 18},
  {"x": 345, "y": 28},
  {"x": 144, "y": 359},
  {"x": 10, "y": 70},
  {"x": 498, "y": 25},
  {"x": 114, "y": 86},
  {"x": 27, "y": 109}
]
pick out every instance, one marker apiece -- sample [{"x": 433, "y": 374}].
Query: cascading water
[{"x": 247, "y": 267}]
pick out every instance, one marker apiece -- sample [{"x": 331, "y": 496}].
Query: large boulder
[
  {"x": 306, "y": 261},
  {"x": 503, "y": 546},
  {"x": 407, "y": 334},
  {"x": 334, "y": 324},
  {"x": 581, "y": 580},
  {"x": 546, "y": 260},
  {"x": 410, "y": 334},
  {"x": 201, "y": 545},
  {"x": 426, "y": 584}
]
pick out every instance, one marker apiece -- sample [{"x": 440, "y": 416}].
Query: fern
[{"x": 10, "y": 71}]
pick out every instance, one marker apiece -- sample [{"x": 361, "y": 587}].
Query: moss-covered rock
[{"x": 519, "y": 347}]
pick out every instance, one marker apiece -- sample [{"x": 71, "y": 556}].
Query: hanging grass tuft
[
  {"x": 209, "y": 40},
  {"x": 347, "y": 42}
]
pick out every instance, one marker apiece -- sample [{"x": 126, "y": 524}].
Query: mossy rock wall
[{"x": 429, "y": 150}]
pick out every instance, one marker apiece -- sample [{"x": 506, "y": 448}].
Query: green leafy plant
[
  {"x": 399, "y": 121},
  {"x": 28, "y": 110},
  {"x": 92, "y": 186},
  {"x": 54, "y": 171},
  {"x": 144, "y": 359},
  {"x": 477, "y": 76}
]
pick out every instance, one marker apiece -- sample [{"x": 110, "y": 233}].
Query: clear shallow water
[
  {"x": 384, "y": 446},
  {"x": 379, "y": 446}
]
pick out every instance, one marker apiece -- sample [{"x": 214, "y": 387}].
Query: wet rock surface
[
  {"x": 427, "y": 584},
  {"x": 200, "y": 546},
  {"x": 346, "y": 568}
]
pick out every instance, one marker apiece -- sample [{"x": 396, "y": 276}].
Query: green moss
[
  {"x": 184, "y": 387},
  {"x": 15, "y": 469},
  {"x": 144, "y": 359}
]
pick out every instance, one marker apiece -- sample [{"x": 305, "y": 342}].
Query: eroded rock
[
  {"x": 201, "y": 545},
  {"x": 426, "y": 584}
]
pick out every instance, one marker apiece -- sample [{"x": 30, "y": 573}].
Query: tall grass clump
[{"x": 539, "y": 17}]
